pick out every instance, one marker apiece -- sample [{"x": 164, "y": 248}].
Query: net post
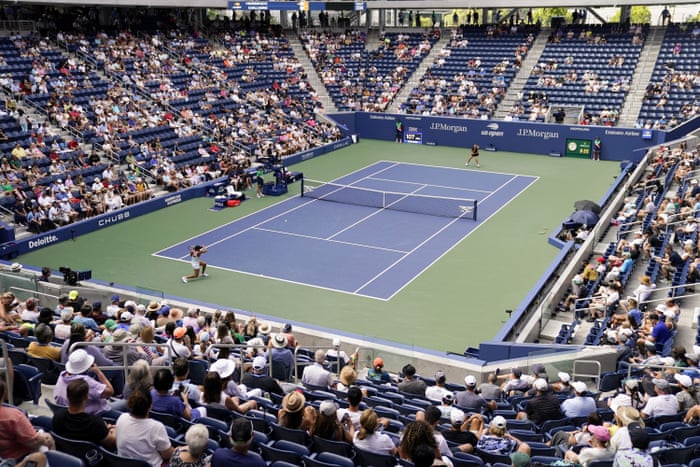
[
  {"x": 474, "y": 210},
  {"x": 302, "y": 186}
]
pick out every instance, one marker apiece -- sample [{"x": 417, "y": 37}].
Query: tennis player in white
[{"x": 198, "y": 265}]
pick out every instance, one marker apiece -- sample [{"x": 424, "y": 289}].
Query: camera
[{"x": 71, "y": 277}]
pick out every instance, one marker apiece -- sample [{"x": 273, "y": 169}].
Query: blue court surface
[{"x": 360, "y": 250}]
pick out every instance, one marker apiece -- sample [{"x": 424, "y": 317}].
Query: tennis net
[{"x": 422, "y": 204}]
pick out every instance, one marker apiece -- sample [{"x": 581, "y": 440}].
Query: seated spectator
[
  {"x": 80, "y": 334},
  {"x": 141, "y": 437},
  {"x": 462, "y": 430},
  {"x": 432, "y": 415},
  {"x": 116, "y": 353},
  {"x": 630, "y": 397},
  {"x": 687, "y": 396},
  {"x": 315, "y": 375},
  {"x": 335, "y": 355},
  {"x": 516, "y": 385},
  {"x": 259, "y": 379},
  {"x": 543, "y": 406},
  {"x": 241, "y": 438},
  {"x": 181, "y": 372},
  {"x": 42, "y": 348},
  {"x": 437, "y": 391},
  {"x": 490, "y": 390},
  {"x": 377, "y": 374},
  {"x": 470, "y": 400},
  {"x": 75, "y": 423},
  {"x": 347, "y": 378},
  {"x": 213, "y": 394},
  {"x": 418, "y": 436},
  {"x": 599, "y": 450},
  {"x": 193, "y": 454},
  {"x": 282, "y": 358},
  {"x": 18, "y": 438},
  {"x": 495, "y": 438},
  {"x": 327, "y": 425},
  {"x": 369, "y": 438},
  {"x": 663, "y": 403},
  {"x": 565, "y": 440},
  {"x": 624, "y": 418},
  {"x": 62, "y": 329},
  {"x": 411, "y": 384},
  {"x": 580, "y": 405},
  {"x": 294, "y": 413},
  {"x": 139, "y": 378},
  {"x": 77, "y": 367},
  {"x": 636, "y": 454},
  {"x": 176, "y": 404},
  {"x": 353, "y": 410}
]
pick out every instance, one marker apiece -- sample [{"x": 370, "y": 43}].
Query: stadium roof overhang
[{"x": 404, "y": 4}]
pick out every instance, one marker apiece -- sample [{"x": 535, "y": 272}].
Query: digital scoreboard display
[
  {"x": 578, "y": 148},
  {"x": 413, "y": 137}
]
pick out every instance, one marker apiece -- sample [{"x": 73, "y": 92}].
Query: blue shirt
[
  {"x": 578, "y": 406},
  {"x": 660, "y": 333},
  {"x": 169, "y": 404},
  {"x": 226, "y": 457}
]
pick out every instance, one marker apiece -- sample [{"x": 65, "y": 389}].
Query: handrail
[
  {"x": 7, "y": 365},
  {"x": 33, "y": 292}
]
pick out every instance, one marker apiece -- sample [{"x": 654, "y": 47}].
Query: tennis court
[{"x": 387, "y": 223}]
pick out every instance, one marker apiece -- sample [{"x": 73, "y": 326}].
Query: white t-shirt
[
  {"x": 376, "y": 442},
  {"x": 663, "y": 404},
  {"x": 141, "y": 438}
]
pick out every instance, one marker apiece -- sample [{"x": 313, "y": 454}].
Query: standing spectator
[
  {"x": 241, "y": 438},
  {"x": 141, "y": 437}
]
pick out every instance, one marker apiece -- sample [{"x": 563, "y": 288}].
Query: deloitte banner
[{"x": 533, "y": 138}]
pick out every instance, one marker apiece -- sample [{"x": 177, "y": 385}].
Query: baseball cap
[
  {"x": 115, "y": 298},
  {"x": 564, "y": 377},
  {"x": 378, "y": 362},
  {"x": 517, "y": 372},
  {"x": 470, "y": 381},
  {"x": 579, "y": 386},
  {"x": 328, "y": 408},
  {"x": 538, "y": 368},
  {"x": 499, "y": 421},
  {"x": 127, "y": 316},
  {"x": 660, "y": 383},
  {"x": 440, "y": 376},
  {"x": 66, "y": 314},
  {"x": 448, "y": 397},
  {"x": 541, "y": 384},
  {"x": 259, "y": 363},
  {"x": 110, "y": 324},
  {"x": 457, "y": 416},
  {"x": 600, "y": 432},
  {"x": 638, "y": 436},
  {"x": 73, "y": 294},
  {"x": 336, "y": 342},
  {"x": 179, "y": 333}
]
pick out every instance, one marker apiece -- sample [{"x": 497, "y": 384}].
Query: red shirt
[{"x": 17, "y": 435}]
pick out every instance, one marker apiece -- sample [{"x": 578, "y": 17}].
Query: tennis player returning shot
[{"x": 198, "y": 265}]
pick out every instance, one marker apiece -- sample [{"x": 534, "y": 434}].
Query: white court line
[
  {"x": 158, "y": 254},
  {"x": 292, "y": 234},
  {"x": 379, "y": 209},
  {"x": 462, "y": 169},
  {"x": 454, "y": 245},
  {"x": 431, "y": 185},
  {"x": 388, "y": 268}
]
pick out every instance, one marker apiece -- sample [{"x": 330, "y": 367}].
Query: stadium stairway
[
  {"x": 311, "y": 73},
  {"x": 518, "y": 83},
  {"x": 417, "y": 75},
  {"x": 642, "y": 75}
]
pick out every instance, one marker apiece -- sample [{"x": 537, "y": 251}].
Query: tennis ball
[{"x": 285, "y": 220}]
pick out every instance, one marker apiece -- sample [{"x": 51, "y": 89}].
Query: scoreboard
[{"x": 578, "y": 148}]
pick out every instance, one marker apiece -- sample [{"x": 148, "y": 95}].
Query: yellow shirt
[{"x": 44, "y": 351}]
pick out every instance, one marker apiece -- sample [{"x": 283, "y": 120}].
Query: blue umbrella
[{"x": 585, "y": 217}]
